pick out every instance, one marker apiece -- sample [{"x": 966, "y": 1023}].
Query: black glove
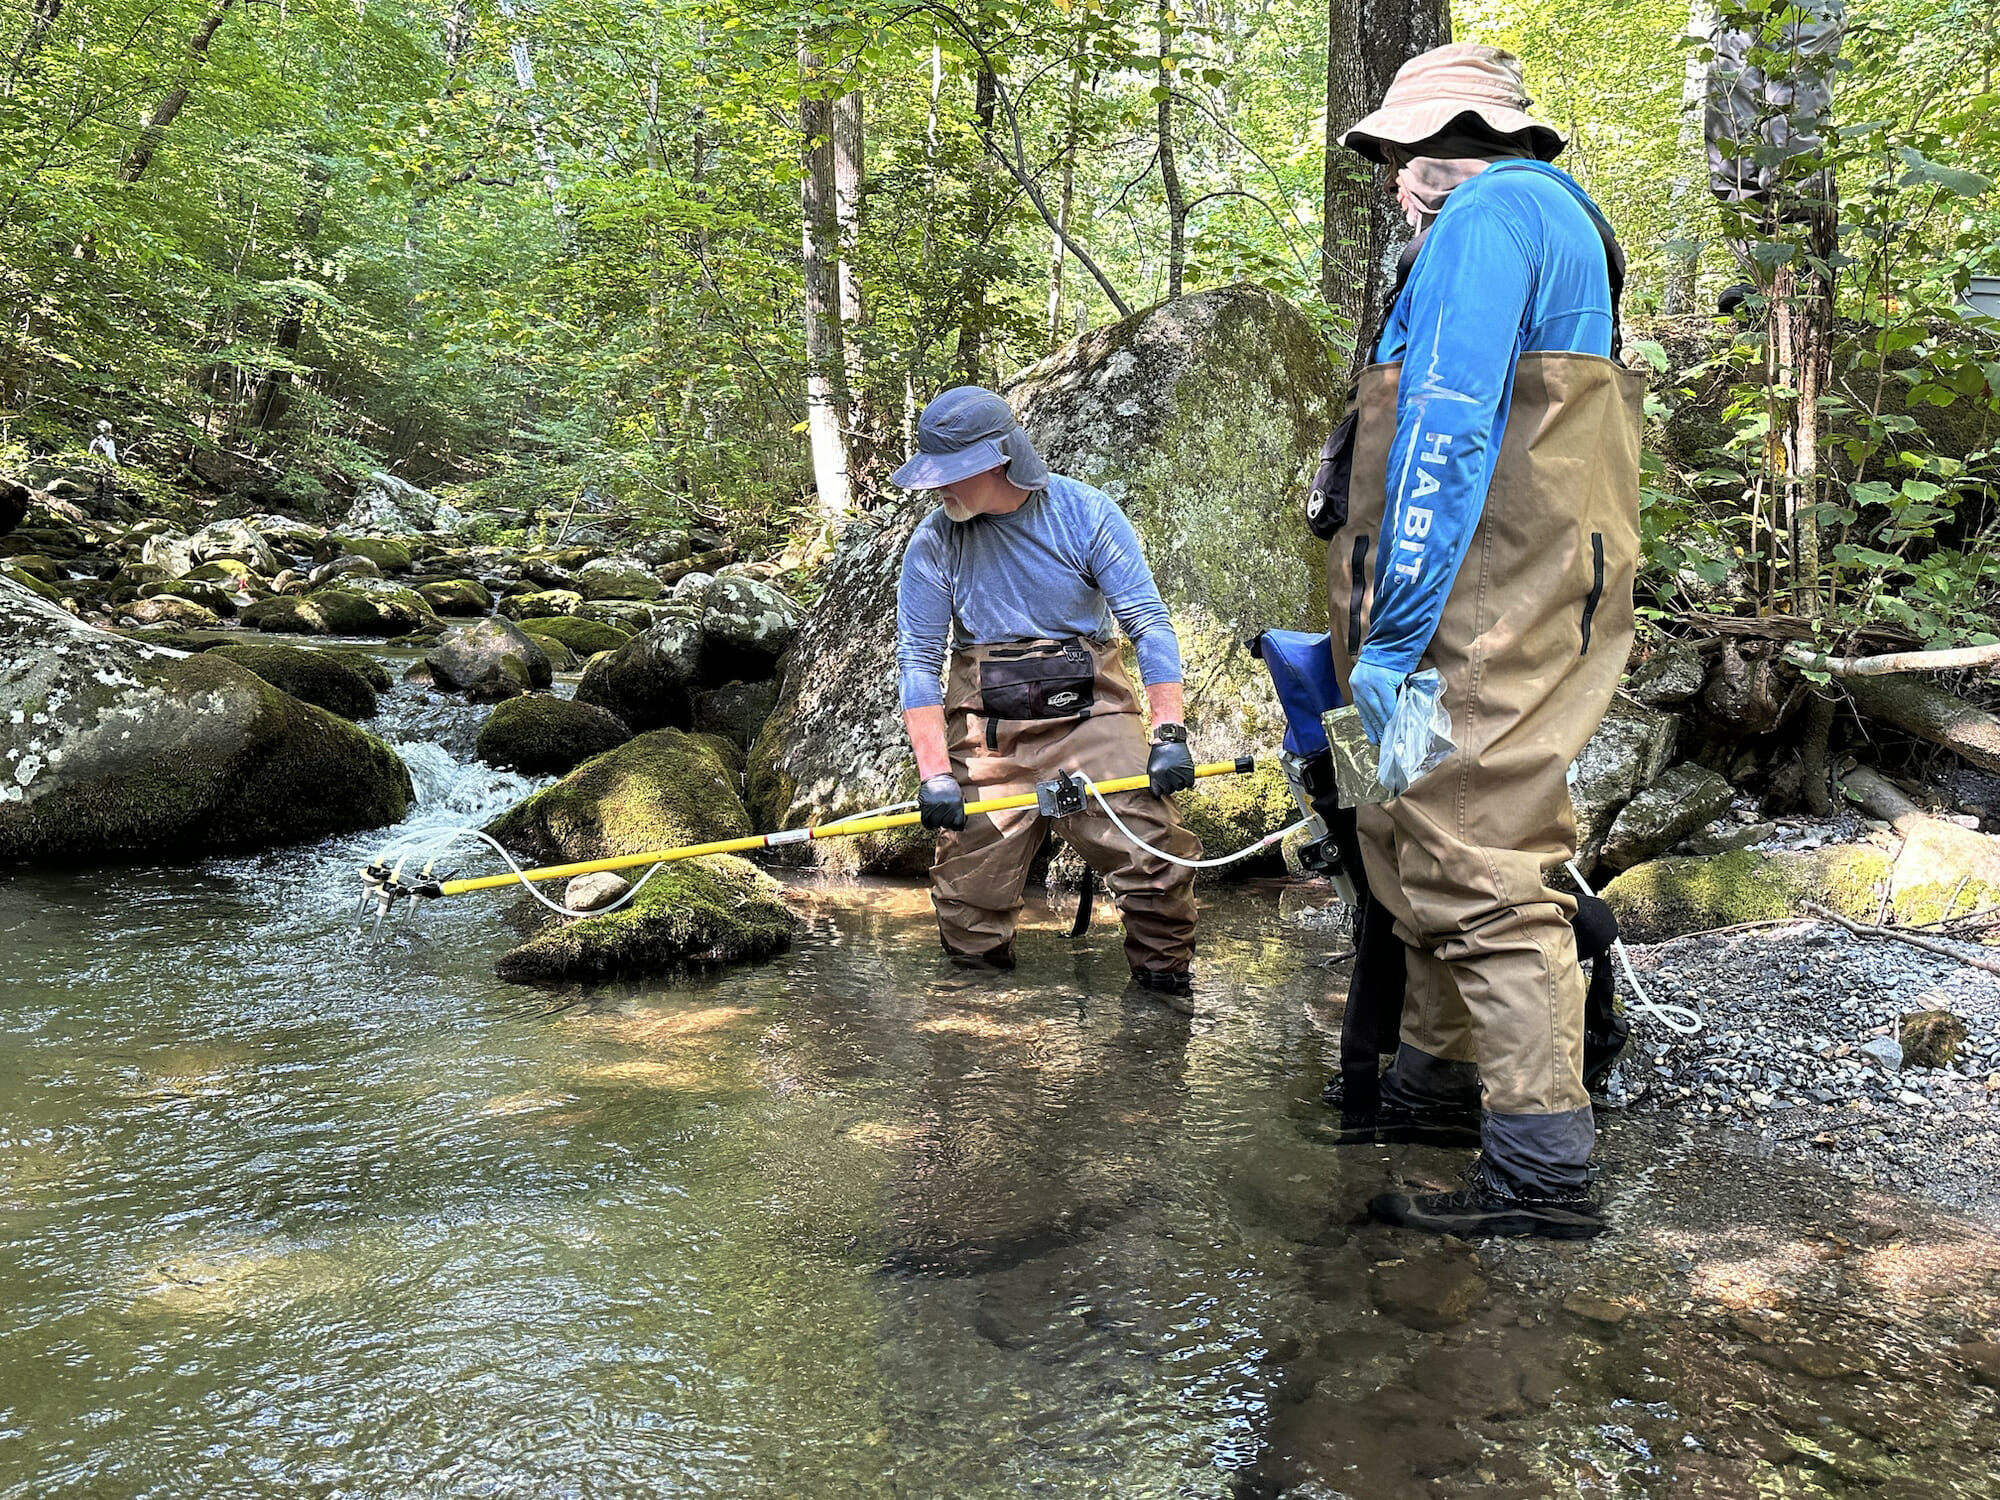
[
  {"x": 1169, "y": 769},
  {"x": 940, "y": 804}
]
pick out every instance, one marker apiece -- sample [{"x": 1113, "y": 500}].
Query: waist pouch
[
  {"x": 1052, "y": 680},
  {"x": 1326, "y": 501}
]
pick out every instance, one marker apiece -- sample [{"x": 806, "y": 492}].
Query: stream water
[{"x": 287, "y": 1213}]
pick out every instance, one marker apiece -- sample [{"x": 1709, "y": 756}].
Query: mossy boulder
[
  {"x": 286, "y": 615},
  {"x": 584, "y": 637},
  {"x": 489, "y": 661},
  {"x": 223, "y": 570},
  {"x": 213, "y": 597},
  {"x": 40, "y": 587},
  {"x": 315, "y": 677},
  {"x": 382, "y": 611},
  {"x": 735, "y": 711},
  {"x": 617, "y": 578},
  {"x": 654, "y": 792},
  {"x": 359, "y": 660},
  {"x": 1685, "y": 797},
  {"x": 167, "y": 609},
  {"x": 111, "y": 747},
  {"x": 1671, "y": 897},
  {"x": 543, "y": 736},
  {"x": 1202, "y": 417},
  {"x": 456, "y": 596},
  {"x": 746, "y": 626},
  {"x": 649, "y": 681},
  {"x": 389, "y": 555},
  {"x": 697, "y": 914},
  {"x": 546, "y": 603},
  {"x": 1942, "y": 871},
  {"x": 35, "y": 565}
]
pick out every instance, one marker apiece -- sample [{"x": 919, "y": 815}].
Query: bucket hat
[
  {"x": 1434, "y": 93},
  {"x": 967, "y": 431}
]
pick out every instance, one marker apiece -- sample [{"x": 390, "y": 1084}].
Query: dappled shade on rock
[
  {"x": 489, "y": 661},
  {"x": 649, "y": 681}
]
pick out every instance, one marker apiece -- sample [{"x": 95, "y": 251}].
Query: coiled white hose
[{"x": 1674, "y": 1017}]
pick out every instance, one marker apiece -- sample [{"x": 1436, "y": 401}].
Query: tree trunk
[
  {"x": 1170, "y": 176},
  {"x": 826, "y": 384},
  {"x": 1367, "y": 41},
  {"x": 1073, "y": 119},
  {"x": 1930, "y": 713},
  {"x": 973, "y": 319},
  {"x": 538, "y": 131},
  {"x": 1685, "y": 199},
  {"x": 41, "y": 18},
  {"x": 850, "y": 183},
  {"x": 274, "y": 389}
]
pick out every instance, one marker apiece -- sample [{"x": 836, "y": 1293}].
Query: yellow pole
[{"x": 837, "y": 830}]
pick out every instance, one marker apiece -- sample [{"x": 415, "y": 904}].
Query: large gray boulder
[
  {"x": 396, "y": 507},
  {"x": 109, "y": 746},
  {"x": 1685, "y": 797},
  {"x": 1202, "y": 417},
  {"x": 1630, "y": 748},
  {"x": 746, "y": 626},
  {"x": 621, "y": 577},
  {"x": 649, "y": 681},
  {"x": 233, "y": 539},
  {"x": 490, "y": 661}
]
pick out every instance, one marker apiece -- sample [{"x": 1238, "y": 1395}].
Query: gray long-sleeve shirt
[{"x": 1067, "y": 563}]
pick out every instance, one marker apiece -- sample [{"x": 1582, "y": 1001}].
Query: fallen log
[
  {"x": 1879, "y": 797},
  {"x": 1930, "y": 713},
  {"x": 1893, "y": 662}
]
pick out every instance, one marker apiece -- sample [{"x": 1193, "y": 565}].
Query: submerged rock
[
  {"x": 1201, "y": 417},
  {"x": 111, "y": 746},
  {"x": 489, "y": 661},
  {"x": 542, "y": 736},
  {"x": 657, "y": 791},
  {"x": 695, "y": 914},
  {"x": 314, "y": 677},
  {"x": 1670, "y": 897}
]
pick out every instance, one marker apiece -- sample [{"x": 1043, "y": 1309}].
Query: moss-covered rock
[
  {"x": 223, "y": 570},
  {"x": 697, "y": 914},
  {"x": 315, "y": 677},
  {"x": 649, "y": 681},
  {"x": 456, "y": 596},
  {"x": 41, "y": 588},
  {"x": 542, "y": 736},
  {"x": 618, "y": 577},
  {"x": 213, "y": 597},
  {"x": 584, "y": 637},
  {"x": 37, "y": 566},
  {"x": 359, "y": 660},
  {"x": 111, "y": 747},
  {"x": 736, "y": 711},
  {"x": 286, "y": 615},
  {"x": 547, "y": 603},
  {"x": 746, "y": 626},
  {"x": 1228, "y": 813},
  {"x": 1202, "y": 418},
  {"x": 489, "y": 661},
  {"x": 1667, "y": 898},
  {"x": 355, "y": 611},
  {"x": 657, "y": 791},
  {"x": 1944, "y": 871},
  {"x": 167, "y": 609},
  {"x": 389, "y": 555}
]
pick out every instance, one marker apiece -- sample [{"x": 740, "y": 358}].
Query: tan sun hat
[{"x": 1434, "y": 91}]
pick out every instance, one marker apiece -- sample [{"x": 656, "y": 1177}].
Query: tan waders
[
  {"x": 1016, "y": 714},
  {"x": 1530, "y": 646}
]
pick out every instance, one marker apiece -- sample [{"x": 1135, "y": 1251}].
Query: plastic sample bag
[
  {"x": 1354, "y": 778},
  {"x": 1418, "y": 739}
]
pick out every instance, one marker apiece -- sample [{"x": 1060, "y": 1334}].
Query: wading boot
[
  {"x": 1173, "y": 988},
  {"x": 1486, "y": 1206},
  {"x": 1358, "y": 1106},
  {"x": 1399, "y": 1124}
]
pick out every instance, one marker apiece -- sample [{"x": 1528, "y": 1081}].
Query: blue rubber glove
[{"x": 1375, "y": 688}]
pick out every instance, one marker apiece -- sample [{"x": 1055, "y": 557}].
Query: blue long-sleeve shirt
[
  {"x": 1065, "y": 564},
  {"x": 1512, "y": 265}
]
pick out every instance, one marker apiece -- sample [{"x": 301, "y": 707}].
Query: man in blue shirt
[
  {"x": 1010, "y": 671},
  {"x": 1491, "y": 534}
]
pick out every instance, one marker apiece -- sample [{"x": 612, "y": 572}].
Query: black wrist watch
[{"x": 1170, "y": 734}]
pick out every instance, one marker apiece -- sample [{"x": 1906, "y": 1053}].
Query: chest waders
[
  {"x": 1533, "y": 638},
  {"x": 1016, "y": 714}
]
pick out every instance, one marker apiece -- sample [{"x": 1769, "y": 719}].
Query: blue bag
[{"x": 1301, "y": 668}]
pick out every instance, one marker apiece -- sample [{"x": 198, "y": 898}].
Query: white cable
[
  {"x": 1674, "y": 1017},
  {"x": 444, "y": 841},
  {"x": 1174, "y": 859}
]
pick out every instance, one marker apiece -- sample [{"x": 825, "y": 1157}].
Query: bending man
[
  {"x": 1018, "y": 578},
  {"x": 1492, "y": 535}
]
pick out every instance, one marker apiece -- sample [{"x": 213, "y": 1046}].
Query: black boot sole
[{"x": 1514, "y": 1221}]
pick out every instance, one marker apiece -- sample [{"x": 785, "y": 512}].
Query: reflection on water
[{"x": 284, "y": 1215}]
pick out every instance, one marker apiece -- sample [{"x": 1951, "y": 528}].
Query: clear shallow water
[{"x": 286, "y": 1214}]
